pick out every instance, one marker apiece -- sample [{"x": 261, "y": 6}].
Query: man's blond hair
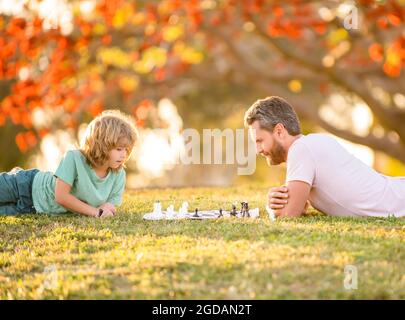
[{"x": 109, "y": 130}]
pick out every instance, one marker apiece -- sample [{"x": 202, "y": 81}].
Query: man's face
[{"x": 267, "y": 145}]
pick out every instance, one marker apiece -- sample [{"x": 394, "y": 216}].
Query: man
[{"x": 319, "y": 169}]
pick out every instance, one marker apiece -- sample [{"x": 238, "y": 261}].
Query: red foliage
[{"x": 53, "y": 61}]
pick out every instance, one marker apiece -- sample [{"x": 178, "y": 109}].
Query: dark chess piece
[
  {"x": 233, "y": 212},
  {"x": 245, "y": 209},
  {"x": 220, "y": 213},
  {"x": 242, "y": 209},
  {"x": 196, "y": 213}
]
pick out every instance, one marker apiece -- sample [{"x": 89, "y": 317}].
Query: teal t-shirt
[{"x": 86, "y": 185}]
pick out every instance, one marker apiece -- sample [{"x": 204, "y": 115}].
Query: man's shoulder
[
  {"x": 315, "y": 138},
  {"x": 315, "y": 141}
]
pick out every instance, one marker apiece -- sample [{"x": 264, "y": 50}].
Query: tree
[{"x": 133, "y": 52}]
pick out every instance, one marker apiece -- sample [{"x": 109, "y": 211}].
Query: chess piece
[
  {"x": 220, "y": 213},
  {"x": 247, "y": 209},
  {"x": 170, "y": 212},
  {"x": 233, "y": 212},
  {"x": 185, "y": 207},
  {"x": 243, "y": 209},
  {"x": 196, "y": 214},
  {"x": 254, "y": 213},
  {"x": 271, "y": 214},
  {"x": 157, "y": 208}
]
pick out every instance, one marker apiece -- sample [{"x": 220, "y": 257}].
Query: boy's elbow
[{"x": 59, "y": 199}]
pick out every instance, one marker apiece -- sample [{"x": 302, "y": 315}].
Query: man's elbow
[{"x": 288, "y": 213}]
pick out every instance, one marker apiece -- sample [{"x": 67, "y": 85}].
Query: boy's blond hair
[{"x": 109, "y": 130}]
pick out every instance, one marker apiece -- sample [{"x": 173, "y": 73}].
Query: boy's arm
[
  {"x": 298, "y": 195},
  {"x": 69, "y": 201}
]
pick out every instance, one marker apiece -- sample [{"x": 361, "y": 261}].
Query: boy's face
[{"x": 118, "y": 156}]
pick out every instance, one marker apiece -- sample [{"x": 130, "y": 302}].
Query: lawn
[{"x": 128, "y": 258}]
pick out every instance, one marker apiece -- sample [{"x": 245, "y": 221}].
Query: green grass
[{"x": 128, "y": 258}]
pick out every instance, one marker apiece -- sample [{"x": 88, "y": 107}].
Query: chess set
[{"x": 183, "y": 213}]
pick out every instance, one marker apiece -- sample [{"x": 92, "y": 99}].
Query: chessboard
[
  {"x": 170, "y": 214},
  {"x": 201, "y": 215}
]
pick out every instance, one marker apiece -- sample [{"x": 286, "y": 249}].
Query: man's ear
[{"x": 279, "y": 130}]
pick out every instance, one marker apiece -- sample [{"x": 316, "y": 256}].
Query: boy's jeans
[{"x": 16, "y": 191}]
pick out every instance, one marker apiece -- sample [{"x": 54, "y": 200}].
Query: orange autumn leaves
[
  {"x": 392, "y": 57},
  {"x": 124, "y": 45}
]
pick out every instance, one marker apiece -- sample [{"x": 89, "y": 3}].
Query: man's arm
[
  {"x": 69, "y": 201},
  {"x": 298, "y": 195}
]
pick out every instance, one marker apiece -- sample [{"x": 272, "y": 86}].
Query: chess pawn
[
  {"x": 243, "y": 209},
  {"x": 271, "y": 214},
  {"x": 170, "y": 212},
  {"x": 254, "y": 213},
  {"x": 157, "y": 208},
  {"x": 196, "y": 213},
  {"x": 233, "y": 212},
  {"x": 247, "y": 209},
  {"x": 185, "y": 207},
  {"x": 182, "y": 211}
]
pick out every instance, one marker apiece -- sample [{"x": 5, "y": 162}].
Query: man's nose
[{"x": 259, "y": 150}]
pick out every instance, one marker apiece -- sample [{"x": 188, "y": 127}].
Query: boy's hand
[
  {"x": 108, "y": 207},
  {"x": 107, "y": 213}
]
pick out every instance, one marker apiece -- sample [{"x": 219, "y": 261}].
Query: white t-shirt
[{"x": 341, "y": 184}]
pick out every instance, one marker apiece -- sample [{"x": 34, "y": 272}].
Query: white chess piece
[
  {"x": 157, "y": 212},
  {"x": 170, "y": 212},
  {"x": 272, "y": 217},
  {"x": 157, "y": 208},
  {"x": 185, "y": 207},
  {"x": 254, "y": 213},
  {"x": 181, "y": 212}
]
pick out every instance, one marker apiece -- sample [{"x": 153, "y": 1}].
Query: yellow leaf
[
  {"x": 188, "y": 54},
  {"x": 122, "y": 16},
  {"x": 337, "y": 36},
  {"x": 295, "y": 85},
  {"x": 99, "y": 28},
  {"x": 128, "y": 83},
  {"x": 114, "y": 56},
  {"x": 151, "y": 57},
  {"x": 172, "y": 33}
]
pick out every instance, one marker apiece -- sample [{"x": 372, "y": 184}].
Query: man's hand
[{"x": 278, "y": 198}]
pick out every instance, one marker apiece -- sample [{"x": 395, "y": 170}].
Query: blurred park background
[{"x": 175, "y": 64}]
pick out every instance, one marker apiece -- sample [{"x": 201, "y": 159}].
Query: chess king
[{"x": 320, "y": 172}]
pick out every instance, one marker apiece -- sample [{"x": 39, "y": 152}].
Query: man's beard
[{"x": 276, "y": 155}]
